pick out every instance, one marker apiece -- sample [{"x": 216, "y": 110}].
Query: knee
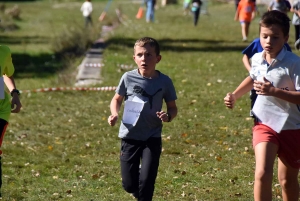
[
  {"x": 263, "y": 175},
  {"x": 288, "y": 183},
  {"x": 129, "y": 188}
]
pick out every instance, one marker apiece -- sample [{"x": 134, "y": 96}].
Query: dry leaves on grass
[
  {"x": 193, "y": 101},
  {"x": 35, "y": 173},
  {"x": 224, "y": 128},
  {"x": 168, "y": 138},
  {"x": 180, "y": 172},
  {"x": 184, "y": 135},
  {"x": 218, "y": 158}
]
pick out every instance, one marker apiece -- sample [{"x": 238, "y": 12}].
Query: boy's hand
[
  {"x": 263, "y": 88},
  {"x": 229, "y": 100},
  {"x": 163, "y": 116},
  {"x": 112, "y": 119},
  {"x": 15, "y": 103}
]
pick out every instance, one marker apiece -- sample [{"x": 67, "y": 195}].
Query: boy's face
[
  {"x": 272, "y": 39},
  {"x": 146, "y": 59}
]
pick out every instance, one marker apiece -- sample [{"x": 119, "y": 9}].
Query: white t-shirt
[
  {"x": 296, "y": 17},
  {"x": 283, "y": 73},
  {"x": 86, "y": 8}
]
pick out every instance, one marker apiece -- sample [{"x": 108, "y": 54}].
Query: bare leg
[
  {"x": 288, "y": 179},
  {"x": 265, "y": 154},
  {"x": 247, "y": 25},
  {"x": 244, "y": 33}
]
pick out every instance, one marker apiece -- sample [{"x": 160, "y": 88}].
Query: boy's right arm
[
  {"x": 243, "y": 88},
  {"x": 115, "y": 105}
]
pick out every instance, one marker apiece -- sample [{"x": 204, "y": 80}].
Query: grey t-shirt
[
  {"x": 152, "y": 92},
  {"x": 282, "y": 5}
]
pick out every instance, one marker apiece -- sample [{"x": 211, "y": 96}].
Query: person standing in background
[
  {"x": 150, "y": 10},
  {"x": 280, "y": 5},
  {"x": 87, "y": 9},
  {"x": 186, "y": 7},
  {"x": 196, "y": 7},
  {"x": 296, "y": 22},
  {"x": 245, "y": 13}
]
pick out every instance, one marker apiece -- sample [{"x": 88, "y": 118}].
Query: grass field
[{"x": 60, "y": 146}]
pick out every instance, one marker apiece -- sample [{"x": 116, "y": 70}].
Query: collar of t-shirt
[{"x": 279, "y": 57}]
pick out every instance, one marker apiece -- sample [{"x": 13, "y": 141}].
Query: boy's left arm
[
  {"x": 170, "y": 114},
  {"x": 15, "y": 101},
  {"x": 253, "y": 14},
  {"x": 266, "y": 88}
]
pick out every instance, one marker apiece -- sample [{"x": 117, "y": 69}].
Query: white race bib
[
  {"x": 271, "y": 111},
  {"x": 132, "y": 111}
]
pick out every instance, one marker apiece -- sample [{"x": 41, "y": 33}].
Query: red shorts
[{"x": 288, "y": 142}]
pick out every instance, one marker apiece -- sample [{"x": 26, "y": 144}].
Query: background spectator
[
  {"x": 86, "y": 10},
  {"x": 196, "y": 7},
  {"x": 280, "y": 5},
  {"x": 296, "y": 22},
  {"x": 150, "y": 10},
  {"x": 245, "y": 13}
]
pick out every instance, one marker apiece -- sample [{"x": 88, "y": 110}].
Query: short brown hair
[
  {"x": 148, "y": 40},
  {"x": 276, "y": 17}
]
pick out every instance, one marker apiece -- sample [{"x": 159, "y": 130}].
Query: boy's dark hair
[
  {"x": 276, "y": 17},
  {"x": 148, "y": 40}
]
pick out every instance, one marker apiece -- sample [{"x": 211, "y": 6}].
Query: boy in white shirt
[{"x": 275, "y": 76}]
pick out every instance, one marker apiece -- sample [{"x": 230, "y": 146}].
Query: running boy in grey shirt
[{"x": 143, "y": 90}]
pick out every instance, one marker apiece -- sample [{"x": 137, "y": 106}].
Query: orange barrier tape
[
  {"x": 123, "y": 66},
  {"x": 95, "y": 65},
  {"x": 110, "y": 88}
]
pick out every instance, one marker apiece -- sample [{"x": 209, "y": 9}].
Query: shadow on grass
[
  {"x": 19, "y": 40},
  {"x": 184, "y": 45},
  {"x": 44, "y": 65},
  {"x": 17, "y": 0},
  {"x": 28, "y": 66}
]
